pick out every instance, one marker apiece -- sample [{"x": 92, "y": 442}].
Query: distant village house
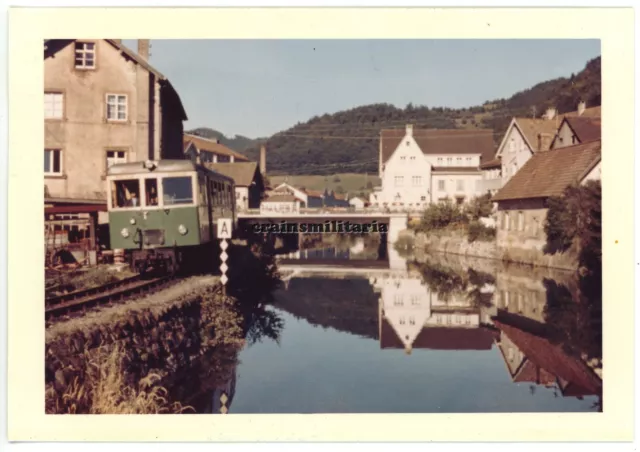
[
  {"x": 422, "y": 166},
  {"x": 522, "y": 206},
  {"x": 249, "y": 183},
  {"x": 103, "y": 104},
  {"x": 206, "y": 150}
]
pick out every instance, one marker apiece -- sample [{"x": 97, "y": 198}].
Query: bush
[
  {"x": 442, "y": 215},
  {"x": 478, "y": 231},
  {"x": 479, "y": 207},
  {"x": 336, "y": 179}
]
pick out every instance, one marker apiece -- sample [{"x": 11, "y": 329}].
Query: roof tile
[{"x": 548, "y": 173}]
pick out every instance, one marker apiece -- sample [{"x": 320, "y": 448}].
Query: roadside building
[
  {"x": 205, "y": 150},
  {"x": 491, "y": 180},
  {"x": 249, "y": 184},
  {"x": 103, "y": 104},
  {"x": 280, "y": 204},
  {"x": 307, "y": 198},
  {"x": 525, "y": 137},
  {"x": 422, "y": 166},
  {"x": 357, "y": 202},
  {"x": 522, "y": 202},
  {"x": 575, "y": 130}
]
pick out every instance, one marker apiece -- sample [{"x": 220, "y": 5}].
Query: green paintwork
[{"x": 167, "y": 219}]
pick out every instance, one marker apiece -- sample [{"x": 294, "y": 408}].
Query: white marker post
[{"x": 224, "y": 233}]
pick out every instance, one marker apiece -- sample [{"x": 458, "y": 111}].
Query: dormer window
[{"x": 85, "y": 55}]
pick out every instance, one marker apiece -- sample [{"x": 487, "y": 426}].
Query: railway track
[{"x": 81, "y": 300}]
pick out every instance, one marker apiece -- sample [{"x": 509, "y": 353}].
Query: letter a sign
[{"x": 224, "y": 228}]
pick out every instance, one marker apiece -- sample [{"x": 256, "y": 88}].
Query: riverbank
[
  {"x": 457, "y": 243},
  {"x": 164, "y": 352}
]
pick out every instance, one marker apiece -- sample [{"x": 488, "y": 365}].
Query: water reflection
[{"x": 434, "y": 304}]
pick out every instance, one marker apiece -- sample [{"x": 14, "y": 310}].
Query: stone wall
[{"x": 456, "y": 242}]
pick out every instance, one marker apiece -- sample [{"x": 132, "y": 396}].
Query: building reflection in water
[
  {"x": 413, "y": 316},
  {"x": 417, "y": 313}
]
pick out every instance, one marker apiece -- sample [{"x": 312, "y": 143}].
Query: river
[{"x": 365, "y": 333}]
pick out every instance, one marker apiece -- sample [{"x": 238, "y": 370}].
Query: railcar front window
[
  {"x": 177, "y": 190},
  {"x": 151, "y": 190},
  {"x": 125, "y": 193}
]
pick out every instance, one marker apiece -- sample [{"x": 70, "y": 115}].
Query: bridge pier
[{"x": 397, "y": 223}]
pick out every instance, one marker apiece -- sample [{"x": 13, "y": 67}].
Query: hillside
[{"x": 347, "y": 141}]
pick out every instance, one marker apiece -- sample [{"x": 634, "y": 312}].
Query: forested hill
[
  {"x": 238, "y": 143},
  {"x": 347, "y": 141}
]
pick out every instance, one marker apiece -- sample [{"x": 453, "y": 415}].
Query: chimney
[
  {"x": 263, "y": 159},
  {"x": 544, "y": 141},
  {"x": 143, "y": 49},
  {"x": 410, "y": 130},
  {"x": 551, "y": 113},
  {"x": 581, "y": 108}
]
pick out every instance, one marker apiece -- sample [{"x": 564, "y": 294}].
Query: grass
[
  {"x": 352, "y": 183},
  {"x": 104, "y": 391}
]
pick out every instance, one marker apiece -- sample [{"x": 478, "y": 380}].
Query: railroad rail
[{"x": 112, "y": 292}]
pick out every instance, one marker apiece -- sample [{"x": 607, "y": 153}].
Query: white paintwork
[
  {"x": 356, "y": 202},
  {"x": 408, "y": 182},
  {"x": 594, "y": 174},
  {"x": 302, "y": 196},
  {"x": 514, "y": 152},
  {"x": 271, "y": 208},
  {"x": 224, "y": 228}
]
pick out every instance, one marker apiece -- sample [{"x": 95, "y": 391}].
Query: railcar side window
[
  {"x": 229, "y": 196},
  {"x": 177, "y": 190},
  {"x": 125, "y": 193},
  {"x": 151, "y": 190}
]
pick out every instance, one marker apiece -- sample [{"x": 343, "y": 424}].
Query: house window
[
  {"x": 417, "y": 181},
  {"x": 534, "y": 227},
  {"x": 441, "y": 186},
  {"x": 469, "y": 161},
  {"x": 52, "y": 161},
  {"x": 505, "y": 221},
  {"x": 459, "y": 161},
  {"x": 408, "y": 142},
  {"x": 116, "y": 107},
  {"x": 403, "y": 158},
  {"x": 413, "y": 157},
  {"x": 460, "y": 185},
  {"x": 440, "y": 161},
  {"x": 85, "y": 55},
  {"x": 423, "y": 198},
  {"x": 114, "y": 157},
  {"x": 399, "y": 181},
  {"x": 520, "y": 221},
  {"x": 449, "y": 161},
  {"x": 53, "y": 105}
]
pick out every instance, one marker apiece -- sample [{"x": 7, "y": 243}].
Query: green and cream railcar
[{"x": 166, "y": 211}]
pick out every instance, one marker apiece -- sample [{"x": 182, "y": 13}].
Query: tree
[
  {"x": 370, "y": 185},
  {"x": 336, "y": 179},
  {"x": 340, "y": 190}
]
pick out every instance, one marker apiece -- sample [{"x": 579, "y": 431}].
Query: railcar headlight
[
  {"x": 182, "y": 229},
  {"x": 132, "y": 221},
  {"x": 124, "y": 232}
]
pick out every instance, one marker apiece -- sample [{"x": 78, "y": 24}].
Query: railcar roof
[{"x": 162, "y": 166}]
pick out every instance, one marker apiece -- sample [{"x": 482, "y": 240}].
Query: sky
[{"x": 256, "y": 88}]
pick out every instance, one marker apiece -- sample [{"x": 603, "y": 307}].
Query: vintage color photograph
[{"x": 322, "y": 226}]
